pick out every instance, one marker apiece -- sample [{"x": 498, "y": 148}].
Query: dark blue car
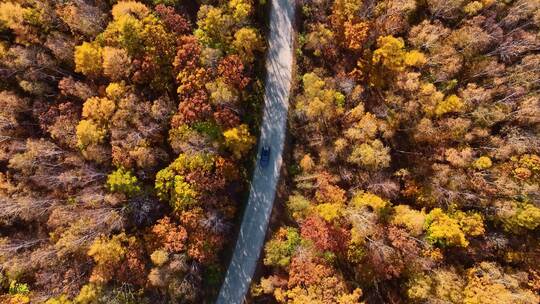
[{"x": 265, "y": 156}]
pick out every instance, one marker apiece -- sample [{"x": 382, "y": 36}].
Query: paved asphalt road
[{"x": 263, "y": 185}]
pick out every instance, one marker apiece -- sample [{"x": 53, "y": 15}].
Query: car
[{"x": 265, "y": 156}]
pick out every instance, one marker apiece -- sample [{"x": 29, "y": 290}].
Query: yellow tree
[
  {"x": 88, "y": 59},
  {"x": 89, "y": 133},
  {"x": 489, "y": 284},
  {"x": 371, "y": 155},
  {"x": 239, "y": 140},
  {"x": 317, "y": 103},
  {"x": 344, "y": 10},
  {"x": 107, "y": 254},
  {"x": 392, "y": 55},
  {"x": 247, "y": 41}
]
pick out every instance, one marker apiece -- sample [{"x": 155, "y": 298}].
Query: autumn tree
[
  {"x": 318, "y": 104},
  {"x": 239, "y": 140},
  {"x": 280, "y": 249}
]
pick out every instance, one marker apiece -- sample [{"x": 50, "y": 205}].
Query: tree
[
  {"x": 190, "y": 77},
  {"x": 372, "y": 156},
  {"x": 89, "y": 294},
  {"x": 391, "y": 54},
  {"x": 82, "y": 17},
  {"x": 487, "y": 283},
  {"x": 450, "y": 230},
  {"x": 213, "y": 26},
  {"x": 203, "y": 239},
  {"x": 281, "y": 248},
  {"x": 450, "y": 104},
  {"x": 298, "y": 206},
  {"x": 72, "y": 88},
  {"x": 443, "y": 284},
  {"x": 246, "y": 42},
  {"x": 233, "y": 71},
  {"x": 320, "y": 40},
  {"x": 131, "y": 8},
  {"x": 12, "y": 108},
  {"x": 226, "y": 118},
  {"x": 169, "y": 235},
  {"x": 239, "y": 140},
  {"x": 317, "y": 103},
  {"x": 324, "y": 235},
  {"x": 313, "y": 280},
  {"x": 123, "y": 181},
  {"x": 356, "y": 35},
  {"x": 411, "y": 219},
  {"x": 241, "y": 9},
  {"x": 327, "y": 192},
  {"x": 446, "y": 9},
  {"x": 172, "y": 184},
  {"x": 60, "y": 121},
  {"x": 471, "y": 40},
  {"x": 88, "y": 133},
  {"x": 176, "y": 22},
  {"x": 107, "y": 254},
  {"x": 365, "y": 199},
  {"x": 222, "y": 94},
  {"x": 62, "y": 46},
  {"x": 428, "y": 35},
  {"x": 344, "y": 10},
  {"x": 115, "y": 63},
  {"x": 306, "y": 163},
  {"x": 15, "y": 17},
  {"x": 517, "y": 217},
  {"x": 62, "y": 299},
  {"x": 482, "y": 163},
  {"x": 88, "y": 59},
  {"x": 365, "y": 129}
]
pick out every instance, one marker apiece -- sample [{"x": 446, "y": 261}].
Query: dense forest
[
  {"x": 126, "y": 130},
  {"x": 414, "y": 169},
  {"x": 126, "y": 146}
]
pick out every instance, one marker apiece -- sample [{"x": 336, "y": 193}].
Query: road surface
[{"x": 263, "y": 184}]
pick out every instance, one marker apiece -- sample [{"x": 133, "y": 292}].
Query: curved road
[{"x": 263, "y": 184}]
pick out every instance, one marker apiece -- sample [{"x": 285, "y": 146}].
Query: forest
[
  {"x": 126, "y": 134},
  {"x": 414, "y": 168},
  {"x": 127, "y": 143}
]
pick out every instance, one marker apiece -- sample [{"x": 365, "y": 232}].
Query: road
[{"x": 262, "y": 192}]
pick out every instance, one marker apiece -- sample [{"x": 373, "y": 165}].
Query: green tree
[
  {"x": 171, "y": 184},
  {"x": 123, "y": 181},
  {"x": 279, "y": 250},
  {"x": 299, "y": 207},
  {"x": 214, "y": 26},
  {"x": 62, "y": 299}
]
